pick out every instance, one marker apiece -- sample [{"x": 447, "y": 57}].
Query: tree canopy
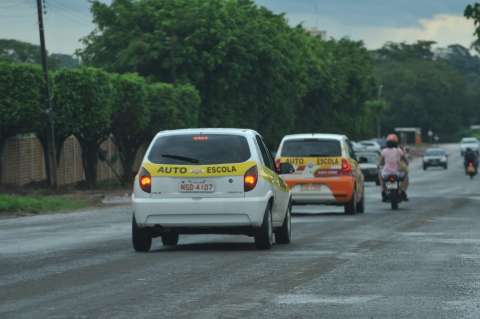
[
  {"x": 429, "y": 88},
  {"x": 250, "y": 67}
]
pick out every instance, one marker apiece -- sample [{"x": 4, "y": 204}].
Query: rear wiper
[{"x": 181, "y": 158}]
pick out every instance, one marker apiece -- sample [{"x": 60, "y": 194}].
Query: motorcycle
[
  {"x": 471, "y": 170},
  {"x": 393, "y": 191}
]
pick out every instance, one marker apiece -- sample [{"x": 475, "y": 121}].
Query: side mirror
[
  {"x": 286, "y": 168},
  {"x": 362, "y": 160}
]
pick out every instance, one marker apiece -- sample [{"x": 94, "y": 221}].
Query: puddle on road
[
  {"x": 421, "y": 234},
  {"x": 314, "y": 253},
  {"x": 317, "y": 299},
  {"x": 436, "y": 238}
]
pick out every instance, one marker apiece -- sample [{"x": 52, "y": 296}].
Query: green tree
[
  {"x": 245, "y": 61},
  {"x": 426, "y": 94},
  {"x": 86, "y": 96},
  {"x": 172, "y": 107},
  {"x": 472, "y": 12},
  {"x": 21, "y": 100},
  {"x": 342, "y": 81},
  {"x": 130, "y": 119}
]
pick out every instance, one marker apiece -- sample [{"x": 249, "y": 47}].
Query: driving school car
[
  {"x": 209, "y": 181},
  {"x": 326, "y": 171}
]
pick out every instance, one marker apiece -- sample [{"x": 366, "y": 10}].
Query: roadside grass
[{"x": 39, "y": 204}]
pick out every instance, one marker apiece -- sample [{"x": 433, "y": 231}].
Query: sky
[{"x": 373, "y": 21}]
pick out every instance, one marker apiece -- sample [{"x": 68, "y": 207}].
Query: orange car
[{"x": 326, "y": 171}]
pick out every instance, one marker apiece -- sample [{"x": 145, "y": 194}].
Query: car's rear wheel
[
  {"x": 170, "y": 239},
  {"x": 361, "y": 205},
  {"x": 351, "y": 206},
  {"x": 141, "y": 238},
  {"x": 264, "y": 235},
  {"x": 284, "y": 234}
]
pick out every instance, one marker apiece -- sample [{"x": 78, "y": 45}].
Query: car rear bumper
[
  {"x": 205, "y": 212},
  {"x": 334, "y": 190},
  {"x": 434, "y": 163},
  {"x": 370, "y": 176}
]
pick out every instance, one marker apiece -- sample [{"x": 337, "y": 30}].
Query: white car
[
  {"x": 210, "y": 181},
  {"x": 369, "y": 164},
  {"x": 435, "y": 157},
  {"x": 469, "y": 142},
  {"x": 371, "y": 146},
  {"x": 357, "y": 147}
]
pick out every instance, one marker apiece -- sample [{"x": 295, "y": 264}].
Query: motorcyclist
[
  {"x": 394, "y": 162},
  {"x": 470, "y": 157}
]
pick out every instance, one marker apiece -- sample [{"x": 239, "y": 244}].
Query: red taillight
[
  {"x": 346, "y": 167},
  {"x": 393, "y": 178},
  {"x": 250, "y": 179},
  {"x": 145, "y": 180}
]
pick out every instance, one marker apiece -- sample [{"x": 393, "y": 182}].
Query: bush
[
  {"x": 85, "y": 97},
  {"x": 130, "y": 119},
  {"x": 172, "y": 107}
]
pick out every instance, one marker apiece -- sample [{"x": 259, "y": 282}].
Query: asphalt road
[{"x": 422, "y": 261}]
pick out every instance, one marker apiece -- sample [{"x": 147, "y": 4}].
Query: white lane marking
[{"x": 317, "y": 299}]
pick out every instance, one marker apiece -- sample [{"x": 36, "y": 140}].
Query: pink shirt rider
[{"x": 392, "y": 157}]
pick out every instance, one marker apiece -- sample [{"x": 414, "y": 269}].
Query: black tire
[
  {"x": 141, "y": 238},
  {"x": 170, "y": 239},
  {"x": 377, "y": 182},
  {"x": 283, "y": 235},
  {"x": 425, "y": 167},
  {"x": 394, "y": 201},
  {"x": 361, "y": 205},
  {"x": 351, "y": 206},
  {"x": 445, "y": 166},
  {"x": 264, "y": 235}
]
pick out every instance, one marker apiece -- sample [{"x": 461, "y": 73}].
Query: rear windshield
[
  {"x": 370, "y": 157},
  {"x": 202, "y": 149},
  {"x": 435, "y": 153},
  {"x": 469, "y": 140},
  {"x": 311, "y": 148}
]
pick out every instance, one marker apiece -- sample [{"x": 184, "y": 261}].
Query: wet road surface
[{"x": 422, "y": 261}]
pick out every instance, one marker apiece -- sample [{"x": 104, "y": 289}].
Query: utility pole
[
  {"x": 379, "y": 97},
  {"x": 52, "y": 150}
]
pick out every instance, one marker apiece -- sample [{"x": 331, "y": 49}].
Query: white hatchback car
[{"x": 210, "y": 181}]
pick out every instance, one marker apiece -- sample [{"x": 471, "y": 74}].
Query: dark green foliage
[
  {"x": 250, "y": 67},
  {"x": 21, "y": 99},
  {"x": 85, "y": 95},
  {"x": 433, "y": 92},
  {"x": 172, "y": 107},
  {"x": 130, "y": 119},
  {"x": 473, "y": 12}
]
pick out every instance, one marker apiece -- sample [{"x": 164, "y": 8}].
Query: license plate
[
  {"x": 196, "y": 187},
  {"x": 311, "y": 187},
  {"x": 391, "y": 185}
]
